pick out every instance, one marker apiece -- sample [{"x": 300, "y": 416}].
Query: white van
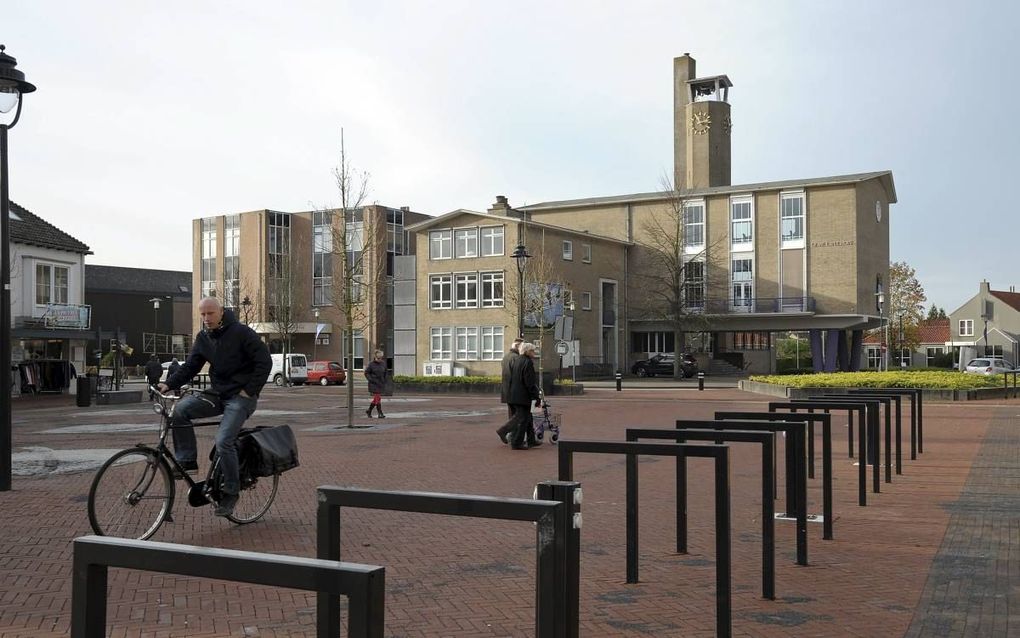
[{"x": 297, "y": 369}]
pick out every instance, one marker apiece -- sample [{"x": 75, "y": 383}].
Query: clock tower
[{"x": 701, "y": 127}]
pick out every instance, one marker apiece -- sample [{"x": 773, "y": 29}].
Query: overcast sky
[{"x": 149, "y": 115}]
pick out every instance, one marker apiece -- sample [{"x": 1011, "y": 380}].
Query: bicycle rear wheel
[
  {"x": 131, "y": 494},
  {"x": 256, "y": 495}
]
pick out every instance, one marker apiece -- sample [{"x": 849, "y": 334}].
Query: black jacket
[
  {"x": 507, "y": 366},
  {"x": 153, "y": 371},
  {"x": 523, "y": 382},
  {"x": 238, "y": 359},
  {"x": 375, "y": 372}
]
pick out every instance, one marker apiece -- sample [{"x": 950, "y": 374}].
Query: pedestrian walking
[
  {"x": 375, "y": 372},
  {"x": 172, "y": 369},
  {"x": 504, "y": 391},
  {"x": 153, "y": 371},
  {"x": 524, "y": 390}
]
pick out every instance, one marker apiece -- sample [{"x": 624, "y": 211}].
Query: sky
[{"x": 149, "y": 115}]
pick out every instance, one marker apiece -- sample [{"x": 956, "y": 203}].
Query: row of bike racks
[{"x": 555, "y": 510}]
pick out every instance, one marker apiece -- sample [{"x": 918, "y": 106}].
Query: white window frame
[
  {"x": 465, "y": 242},
  {"x": 694, "y": 227},
  {"x": 586, "y": 253},
  {"x": 466, "y": 343},
  {"x": 568, "y": 250},
  {"x": 441, "y": 244},
  {"x": 465, "y": 288},
  {"x": 488, "y": 282},
  {"x": 966, "y": 327},
  {"x": 745, "y": 243},
  {"x": 793, "y": 241},
  {"x": 491, "y": 347},
  {"x": 53, "y": 291},
  {"x": 874, "y": 354},
  {"x": 441, "y": 343},
  {"x": 745, "y": 279},
  {"x": 444, "y": 285},
  {"x": 585, "y": 300},
  {"x": 492, "y": 241}
]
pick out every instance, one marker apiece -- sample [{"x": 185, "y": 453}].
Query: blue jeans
[{"x": 235, "y": 411}]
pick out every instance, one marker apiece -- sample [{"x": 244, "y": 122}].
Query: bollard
[
  {"x": 619, "y": 380},
  {"x": 701, "y": 380}
]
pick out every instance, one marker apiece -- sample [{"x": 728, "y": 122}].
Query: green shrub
[
  {"x": 921, "y": 378},
  {"x": 400, "y": 378},
  {"x": 563, "y": 382}
]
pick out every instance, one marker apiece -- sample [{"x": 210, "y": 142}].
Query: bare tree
[
  {"x": 671, "y": 282},
  {"x": 544, "y": 295},
  {"x": 285, "y": 306},
  {"x": 357, "y": 260}
]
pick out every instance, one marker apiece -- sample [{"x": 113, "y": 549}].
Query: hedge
[{"x": 930, "y": 379}]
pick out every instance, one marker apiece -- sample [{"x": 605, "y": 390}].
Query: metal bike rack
[
  {"x": 768, "y": 502},
  {"x": 896, "y": 399},
  {"x": 364, "y": 585},
  {"x": 556, "y": 594},
  {"x": 810, "y": 419},
  {"x": 723, "y": 555},
  {"x": 873, "y": 410},
  {"x": 916, "y": 403}
]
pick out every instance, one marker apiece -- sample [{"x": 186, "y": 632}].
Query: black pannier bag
[{"x": 265, "y": 451}]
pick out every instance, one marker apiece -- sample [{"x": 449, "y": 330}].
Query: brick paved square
[{"x": 920, "y": 559}]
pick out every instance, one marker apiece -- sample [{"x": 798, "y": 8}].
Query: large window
[
  {"x": 231, "y": 260},
  {"x": 694, "y": 285},
  {"x": 966, "y": 327},
  {"x": 467, "y": 290},
  {"x": 492, "y": 241},
  {"x": 441, "y": 244},
  {"x": 652, "y": 341},
  {"x": 209, "y": 257},
  {"x": 441, "y": 344},
  {"x": 568, "y": 250},
  {"x": 741, "y": 225},
  {"x": 466, "y": 242},
  {"x": 586, "y": 253},
  {"x": 279, "y": 244},
  {"x": 467, "y": 344},
  {"x": 492, "y": 289},
  {"x": 694, "y": 226},
  {"x": 441, "y": 292},
  {"x": 791, "y": 215},
  {"x": 874, "y": 357},
  {"x": 931, "y": 353},
  {"x": 492, "y": 343},
  {"x": 322, "y": 258},
  {"x": 51, "y": 284},
  {"x": 742, "y": 282}
]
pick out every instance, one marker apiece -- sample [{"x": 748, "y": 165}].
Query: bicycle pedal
[{"x": 169, "y": 518}]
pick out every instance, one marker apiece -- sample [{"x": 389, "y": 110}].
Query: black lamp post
[
  {"x": 12, "y": 87},
  {"x": 521, "y": 256},
  {"x": 155, "y": 321},
  {"x": 315, "y": 341}
]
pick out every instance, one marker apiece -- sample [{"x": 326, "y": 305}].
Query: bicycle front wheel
[
  {"x": 257, "y": 494},
  {"x": 131, "y": 494}
]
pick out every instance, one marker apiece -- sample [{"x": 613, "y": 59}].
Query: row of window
[
  {"x": 463, "y": 243},
  {"x": 468, "y": 343},
  {"x": 474, "y": 290},
  {"x": 791, "y": 223}
]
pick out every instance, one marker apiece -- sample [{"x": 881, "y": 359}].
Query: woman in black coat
[
  {"x": 375, "y": 372},
  {"x": 524, "y": 390}
]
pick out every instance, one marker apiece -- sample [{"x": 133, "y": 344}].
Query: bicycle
[{"x": 133, "y": 493}]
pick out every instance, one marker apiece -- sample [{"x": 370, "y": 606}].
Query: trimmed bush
[
  {"x": 400, "y": 378},
  {"x": 927, "y": 378}
]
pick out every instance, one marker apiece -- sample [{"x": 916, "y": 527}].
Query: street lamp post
[
  {"x": 155, "y": 322},
  {"x": 315, "y": 340},
  {"x": 880, "y": 297},
  {"x": 521, "y": 256},
  {"x": 12, "y": 87}
]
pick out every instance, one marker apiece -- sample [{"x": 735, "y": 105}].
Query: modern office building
[{"x": 280, "y": 272}]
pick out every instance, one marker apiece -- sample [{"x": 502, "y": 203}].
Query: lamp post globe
[
  {"x": 521, "y": 257},
  {"x": 12, "y": 87}
]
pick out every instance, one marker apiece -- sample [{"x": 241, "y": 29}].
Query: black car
[{"x": 662, "y": 364}]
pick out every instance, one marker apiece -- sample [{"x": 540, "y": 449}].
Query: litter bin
[{"x": 84, "y": 392}]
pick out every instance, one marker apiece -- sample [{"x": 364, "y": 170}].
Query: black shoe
[
  {"x": 378, "y": 409},
  {"x": 188, "y": 466},
  {"x": 503, "y": 438},
  {"x": 226, "y": 505},
  {"x": 523, "y": 446},
  {"x": 368, "y": 412},
  {"x": 534, "y": 443}
]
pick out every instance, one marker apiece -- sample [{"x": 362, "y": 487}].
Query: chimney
[
  {"x": 683, "y": 70},
  {"x": 985, "y": 287},
  {"x": 406, "y": 209},
  {"x": 502, "y": 207}
]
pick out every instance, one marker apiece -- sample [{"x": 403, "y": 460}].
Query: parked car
[
  {"x": 326, "y": 373},
  {"x": 296, "y": 369},
  {"x": 662, "y": 364},
  {"x": 987, "y": 365}
]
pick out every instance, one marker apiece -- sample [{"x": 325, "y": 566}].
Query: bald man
[{"x": 239, "y": 364}]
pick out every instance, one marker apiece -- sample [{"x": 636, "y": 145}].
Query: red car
[{"x": 326, "y": 373}]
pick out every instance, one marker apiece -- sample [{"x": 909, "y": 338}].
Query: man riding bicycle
[{"x": 239, "y": 364}]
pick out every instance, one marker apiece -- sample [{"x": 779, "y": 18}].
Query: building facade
[
  {"x": 285, "y": 274},
  {"x": 987, "y": 324},
  {"x": 50, "y": 319}
]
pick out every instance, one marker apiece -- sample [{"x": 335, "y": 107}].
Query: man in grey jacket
[{"x": 504, "y": 391}]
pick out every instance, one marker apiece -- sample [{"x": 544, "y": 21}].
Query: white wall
[{"x": 23, "y": 262}]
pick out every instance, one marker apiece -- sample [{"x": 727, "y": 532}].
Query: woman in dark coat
[
  {"x": 375, "y": 372},
  {"x": 524, "y": 390}
]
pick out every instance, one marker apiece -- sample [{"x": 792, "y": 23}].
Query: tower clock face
[{"x": 700, "y": 123}]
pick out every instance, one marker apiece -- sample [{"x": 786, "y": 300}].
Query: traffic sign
[{"x": 562, "y": 347}]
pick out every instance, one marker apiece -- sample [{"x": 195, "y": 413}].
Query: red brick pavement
[{"x": 450, "y": 576}]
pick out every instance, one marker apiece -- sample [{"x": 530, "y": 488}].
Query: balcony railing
[{"x": 761, "y": 305}]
